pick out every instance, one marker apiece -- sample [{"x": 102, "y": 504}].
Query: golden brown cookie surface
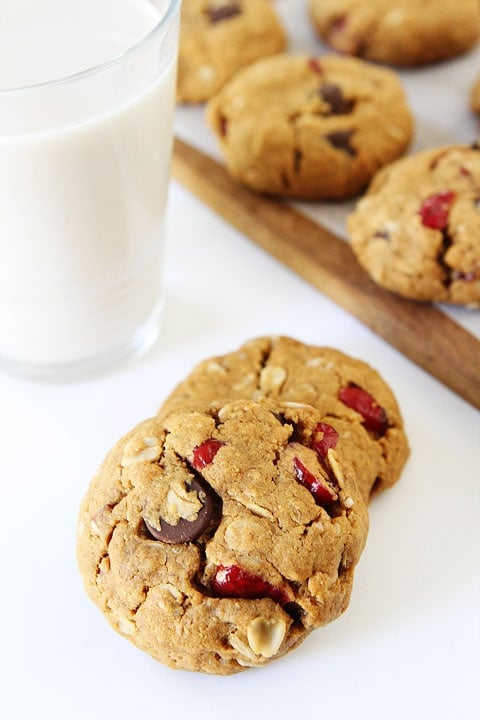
[
  {"x": 339, "y": 386},
  {"x": 217, "y": 37},
  {"x": 311, "y": 128},
  {"x": 218, "y": 538},
  {"x": 404, "y": 33},
  {"x": 417, "y": 231}
]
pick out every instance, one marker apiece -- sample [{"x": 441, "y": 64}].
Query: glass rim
[{"x": 137, "y": 47}]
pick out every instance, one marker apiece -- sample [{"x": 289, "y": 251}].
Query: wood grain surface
[{"x": 418, "y": 330}]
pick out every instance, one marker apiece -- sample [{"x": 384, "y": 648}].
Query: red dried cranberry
[
  {"x": 345, "y": 42},
  {"x": 322, "y": 494},
  {"x": 203, "y": 454},
  {"x": 435, "y": 209},
  {"x": 328, "y": 439},
  {"x": 234, "y": 581},
  {"x": 465, "y": 276},
  {"x": 315, "y": 64},
  {"x": 374, "y": 416},
  {"x": 339, "y": 23},
  {"x": 223, "y": 124}
]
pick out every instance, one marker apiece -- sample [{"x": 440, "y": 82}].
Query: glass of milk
[{"x": 87, "y": 91}]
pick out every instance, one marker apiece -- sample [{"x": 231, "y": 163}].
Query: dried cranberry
[
  {"x": 465, "y": 276},
  {"x": 223, "y": 125},
  {"x": 322, "y": 494},
  {"x": 234, "y": 581},
  {"x": 315, "y": 65},
  {"x": 203, "y": 454},
  {"x": 339, "y": 23},
  {"x": 328, "y": 439},
  {"x": 374, "y": 416},
  {"x": 435, "y": 209}
]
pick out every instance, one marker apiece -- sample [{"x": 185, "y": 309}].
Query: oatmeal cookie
[
  {"x": 417, "y": 230},
  {"x": 404, "y": 33},
  {"x": 308, "y": 127},
  {"x": 217, "y": 37},
  {"x": 219, "y": 537},
  {"x": 361, "y": 415}
]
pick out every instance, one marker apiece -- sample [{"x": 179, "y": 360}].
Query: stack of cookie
[
  {"x": 322, "y": 127},
  {"x": 219, "y": 534}
]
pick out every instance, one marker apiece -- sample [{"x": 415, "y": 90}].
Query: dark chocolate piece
[
  {"x": 224, "y": 12},
  {"x": 187, "y": 530},
  {"x": 341, "y": 140},
  {"x": 333, "y": 95},
  {"x": 384, "y": 234}
]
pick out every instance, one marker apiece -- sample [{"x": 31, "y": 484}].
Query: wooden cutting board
[{"x": 419, "y": 330}]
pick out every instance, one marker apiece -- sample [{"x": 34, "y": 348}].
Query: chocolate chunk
[
  {"x": 224, "y": 12},
  {"x": 297, "y": 160},
  {"x": 333, "y": 95},
  {"x": 285, "y": 180},
  {"x": 295, "y": 611},
  {"x": 187, "y": 530},
  {"x": 341, "y": 140},
  {"x": 384, "y": 234}
]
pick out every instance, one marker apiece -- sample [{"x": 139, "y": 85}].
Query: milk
[{"x": 84, "y": 167}]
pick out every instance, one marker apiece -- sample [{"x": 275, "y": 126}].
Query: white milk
[{"x": 83, "y": 178}]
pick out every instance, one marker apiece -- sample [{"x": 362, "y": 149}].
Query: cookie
[
  {"x": 217, "y": 37},
  {"x": 361, "y": 415},
  {"x": 218, "y": 538},
  {"x": 311, "y": 128},
  {"x": 417, "y": 230},
  {"x": 405, "y": 33},
  {"x": 475, "y": 97}
]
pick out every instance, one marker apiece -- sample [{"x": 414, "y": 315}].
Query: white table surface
[{"x": 408, "y": 646}]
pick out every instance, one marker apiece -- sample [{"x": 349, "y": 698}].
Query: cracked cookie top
[
  {"x": 360, "y": 412},
  {"x": 404, "y": 33},
  {"x": 417, "y": 230},
  {"x": 218, "y": 537},
  {"x": 310, "y": 127},
  {"x": 217, "y": 37}
]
